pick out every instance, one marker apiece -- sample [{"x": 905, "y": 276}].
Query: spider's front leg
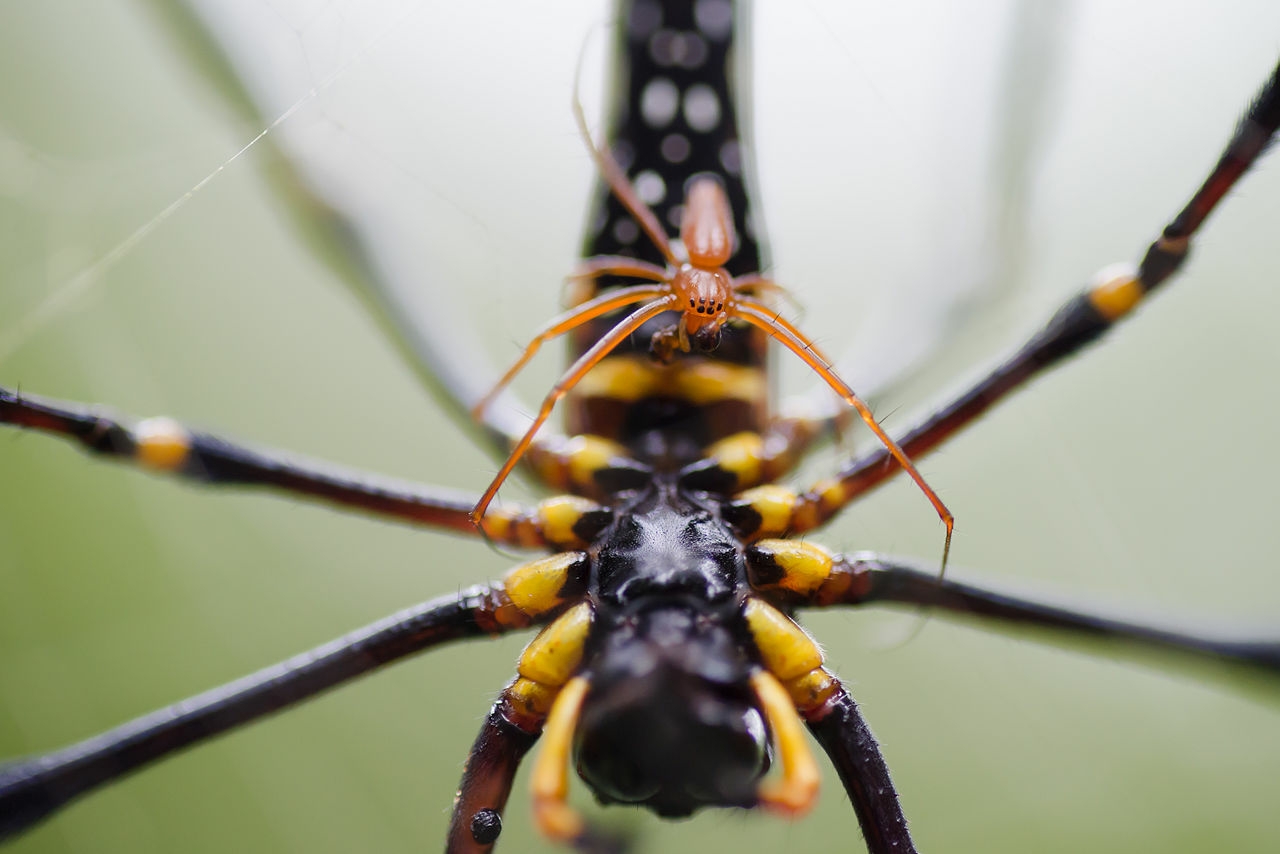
[
  {"x": 164, "y": 445},
  {"x": 1083, "y": 319}
]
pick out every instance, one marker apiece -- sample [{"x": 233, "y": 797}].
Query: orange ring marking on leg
[
  {"x": 162, "y": 444},
  {"x": 1116, "y": 291}
]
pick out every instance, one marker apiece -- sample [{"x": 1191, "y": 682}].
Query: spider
[{"x": 210, "y": 593}]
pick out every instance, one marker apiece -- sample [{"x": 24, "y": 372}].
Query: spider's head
[{"x": 702, "y": 296}]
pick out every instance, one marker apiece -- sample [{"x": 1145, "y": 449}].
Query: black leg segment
[{"x": 34, "y": 788}]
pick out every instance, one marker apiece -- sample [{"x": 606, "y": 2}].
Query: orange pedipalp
[
  {"x": 798, "y": 343},
  {"x": 796, "y": 791},
  {"x": 550, "y": 779},
  {"x": 571, "y": 378},
  {"x": 564, "y": 323}
]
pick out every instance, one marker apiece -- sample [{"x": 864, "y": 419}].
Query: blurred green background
[{"x": 1140, "y": 476}]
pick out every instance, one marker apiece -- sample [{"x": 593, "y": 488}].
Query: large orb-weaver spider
[{"x": 225, "y": 575}]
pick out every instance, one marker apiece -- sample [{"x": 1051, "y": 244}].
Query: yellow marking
[
  {"x": 498, "y": 524},
  {"x": 711, "y": 381},
  {"x": 741, "y": 455},
  {"x": 162, "y": 444},
  {"x": 795, "y": 791},
  {"x": 626, "y": 378},
  {"x": 559, "y": 515},
  {"x": 1116, "y": 290},
  {"x": 553, "y": 656},
  {"x": 805, "y": 566},
  {"x": 586, "y": 455},
  {"x": 812, "y": 689},
  {"x": 515, "y": 527},
  {"x": 774, "y": 504},
  {"x": 634, "y": 376},
  {"x": 830, "y": 492},
  {"x": 550, "y": 779},
  {"x": 535, "y": 587},
  {"x": 530, "y": 697},
  {"x": 786, "y": 650}
]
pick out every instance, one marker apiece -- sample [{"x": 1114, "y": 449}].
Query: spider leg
[
  {"x": 567, "y": 322},
  {"x": 790, "y": 435},
  {"x": 34, "y": 788},
  {"x": 839, "y": 728},
  {"x": 618, "y": 182},
  {"x": 757, "y": 284},
  {"x": 584, "y": 282},
  {"x": 563, "y": 386},
  {"x": 807, "y": 575},
  {"x": 802, "y": 347},
  {"x": 747, "y": 459},
  {"x": 1080, "y": 321},
  {"x": 163, "y": 445},
  {"x": 507, "y": 734},
  {"x": 486, "y": 783}
]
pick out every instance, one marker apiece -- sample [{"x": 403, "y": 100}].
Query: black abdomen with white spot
[{"x": 674, "y": 118}]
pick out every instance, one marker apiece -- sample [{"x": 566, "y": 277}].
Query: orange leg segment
[
  {"x": 621, "y": 187},
  {"x": 618, "y": 265},
  {"x": 560, "y": 325},
  {"x": 797, "y": 790},
  {"x": 571, "y": 378},
  {"x": 753, "y": 285},
  {"x": 799, "y": 344},
  {"x": 550, "y": 782}
]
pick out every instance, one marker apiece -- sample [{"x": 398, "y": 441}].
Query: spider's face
[{"x": 702, "y": 295}]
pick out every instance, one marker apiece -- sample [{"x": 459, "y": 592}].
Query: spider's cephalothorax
[{"x": 670, "y": 721}]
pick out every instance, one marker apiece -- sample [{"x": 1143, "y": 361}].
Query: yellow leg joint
[
  {"x": 572, "y": 463},
  {"x": 587, "y": 455},
  {"x": 1116, "y": 291},
  {"x": 553, "y": 656},
  {"x": 789, "y": 565},
  {"x": 795, "y": 791},
  {"x": 741, "y": 455},
  {"x": 550, "y": 780},
  {"x": 812, "y": 689},
  {"x": 560, "y": 514},
  {"x": 831, "y": 495},
  {"x": 785, "y": 649},
  {"x": 162, "y": 444},
  {"x": 529, "y": 700},
  {"x": 774, "y": 504},
  {"x": 545, "y": 584}
]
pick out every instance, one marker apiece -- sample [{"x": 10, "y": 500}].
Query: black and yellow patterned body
[
  {"x": 677, "y": 73},
  {"x": 668, "y": 671}
]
